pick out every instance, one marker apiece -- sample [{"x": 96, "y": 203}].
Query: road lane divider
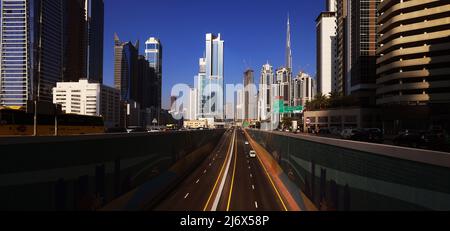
[
  {"x": 218, "y": 177},
  {"x": 232, "y": 178},
  {"x": 224, "y": 177}
]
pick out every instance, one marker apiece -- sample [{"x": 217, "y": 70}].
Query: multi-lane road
[{"x": 228, "y": 180}]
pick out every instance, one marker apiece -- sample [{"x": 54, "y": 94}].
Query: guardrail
[
  {"x": 86, "y": 172},
  {"x": 347, "y": 175}
]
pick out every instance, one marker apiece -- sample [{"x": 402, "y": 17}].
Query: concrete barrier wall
[
  {"x": 87, "y": 172},
  {"x": 346, "y": 175}
]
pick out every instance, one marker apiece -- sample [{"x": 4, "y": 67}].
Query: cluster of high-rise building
[
  {"x": 251, "y": 102},
  {"x": 206, "y": 99},
  {"x": 52, "y": 53},
  {"x": 277, "y": 89},
  {"x": 48, "y": 41},
  {"x": 389, "y": 56},
  {"x": 138, "y": 78}
]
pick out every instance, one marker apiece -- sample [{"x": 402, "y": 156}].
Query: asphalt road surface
[{"x": 228, "y": 180}]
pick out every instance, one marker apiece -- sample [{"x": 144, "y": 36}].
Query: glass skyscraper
[
  {"x": 15, "y": 66},
  {"x": 125, "y": 68},
  {"x": 95, "y": 22},
  {"x": 211, "y": 88},
  {"x": 32, "y": 50},
  {"x": 153, "y": 54}
]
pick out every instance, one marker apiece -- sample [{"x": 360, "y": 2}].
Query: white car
[
  {"x": 252, "y": 154},
  {"x": 246, "y": 142}
]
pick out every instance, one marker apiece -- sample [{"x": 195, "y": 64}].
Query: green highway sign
[{"x": 281, "y": 108}]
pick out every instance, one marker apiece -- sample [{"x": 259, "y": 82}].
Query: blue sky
[{"x": 254, "y": 32}]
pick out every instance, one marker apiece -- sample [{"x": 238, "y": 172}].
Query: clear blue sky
[{"x": 253, "y": 30}]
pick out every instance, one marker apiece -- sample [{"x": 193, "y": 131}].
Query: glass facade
[
  {"x": 15, "y": 65},
  {"x": 96, "y": 36},
  {"x": 211, "y": 95}
]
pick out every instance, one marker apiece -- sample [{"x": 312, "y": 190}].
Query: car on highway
[
  {"x": 252, "y": 154},
  {"x": 246, "y": 142},
  {"x": 414, "y": 139}
]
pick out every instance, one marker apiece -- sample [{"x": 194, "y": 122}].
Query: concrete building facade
[{"x": 91, "y": 99}]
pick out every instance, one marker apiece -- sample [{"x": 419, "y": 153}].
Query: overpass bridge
[{"x": 211, "y": 170}]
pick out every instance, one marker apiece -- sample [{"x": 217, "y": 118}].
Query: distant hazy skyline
[{"x": 254, "y": 32}]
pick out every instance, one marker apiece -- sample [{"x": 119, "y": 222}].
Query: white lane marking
[
  {"x": 251, "y": 176},
  {"x": 186, "y": 196},
  {"x": 253, "y": 187},
  {"x": 224, "y": 177},
  {"x": 197, "y": 181},
  {"x": 256, "y": 204}
]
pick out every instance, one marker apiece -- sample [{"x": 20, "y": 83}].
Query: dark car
[
  {"x": 436, "y": 140},
  {"x": 116, "y": 130},
  {"x": 360, "y": 135},
  {"x": 374, "y": 135},
  {"x": 410, "y": 139}
]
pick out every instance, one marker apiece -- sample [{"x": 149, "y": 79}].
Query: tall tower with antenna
[{"x": 288, "y": 46}]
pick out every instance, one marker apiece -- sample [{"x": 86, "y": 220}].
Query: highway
[{"x": 228, "y": 180}]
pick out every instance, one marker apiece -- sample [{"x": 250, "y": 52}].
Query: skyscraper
[
  {"x": 303, "y": 89},
  {"x": 342, "y": 47},
  {"x": 75, "y": 41},
  {"x": 210, "y": 79},
  {"x": 125, "y": 69},
  {"x": 362, "y": 44},
  {"x": 326, "y": 49},
  {"x": 264, "y": 97},
  {"x": 154, "y": 55},
  {"x": 95, "y": 28},
  {"x": 283, "y": 81},
  {"x": 288, "y": 46},
  {"x": 249, "y": 95},
  {"x": 32, "y": 50}
]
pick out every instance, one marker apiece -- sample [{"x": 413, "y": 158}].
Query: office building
[
  {"x": 154, "y": 55},
  {"x": 75, "y": 41},
  {"x": 264, "y": 97},
  {"x": 191, "y": 107},
  {"x": 250, "y": 95},
  {"x": 240, "y": 105},
  {"x": 362, "y": 45},
  {"x": 95, "y": 17},
  {"x": 304, "y": 89},
  {"x": 413, "y": 67},
  {"x": 342, "y": 55},
  {"x": 283, "y": 81},
  {"x": 326, "y": 49},
  {"x": 211, "y": 77},
  {"x": 93, "y": 99},
  {"x": 229, "y": 111},
  {"x": 125, "y": 69},
  {"x": 32, "y": 50}
]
